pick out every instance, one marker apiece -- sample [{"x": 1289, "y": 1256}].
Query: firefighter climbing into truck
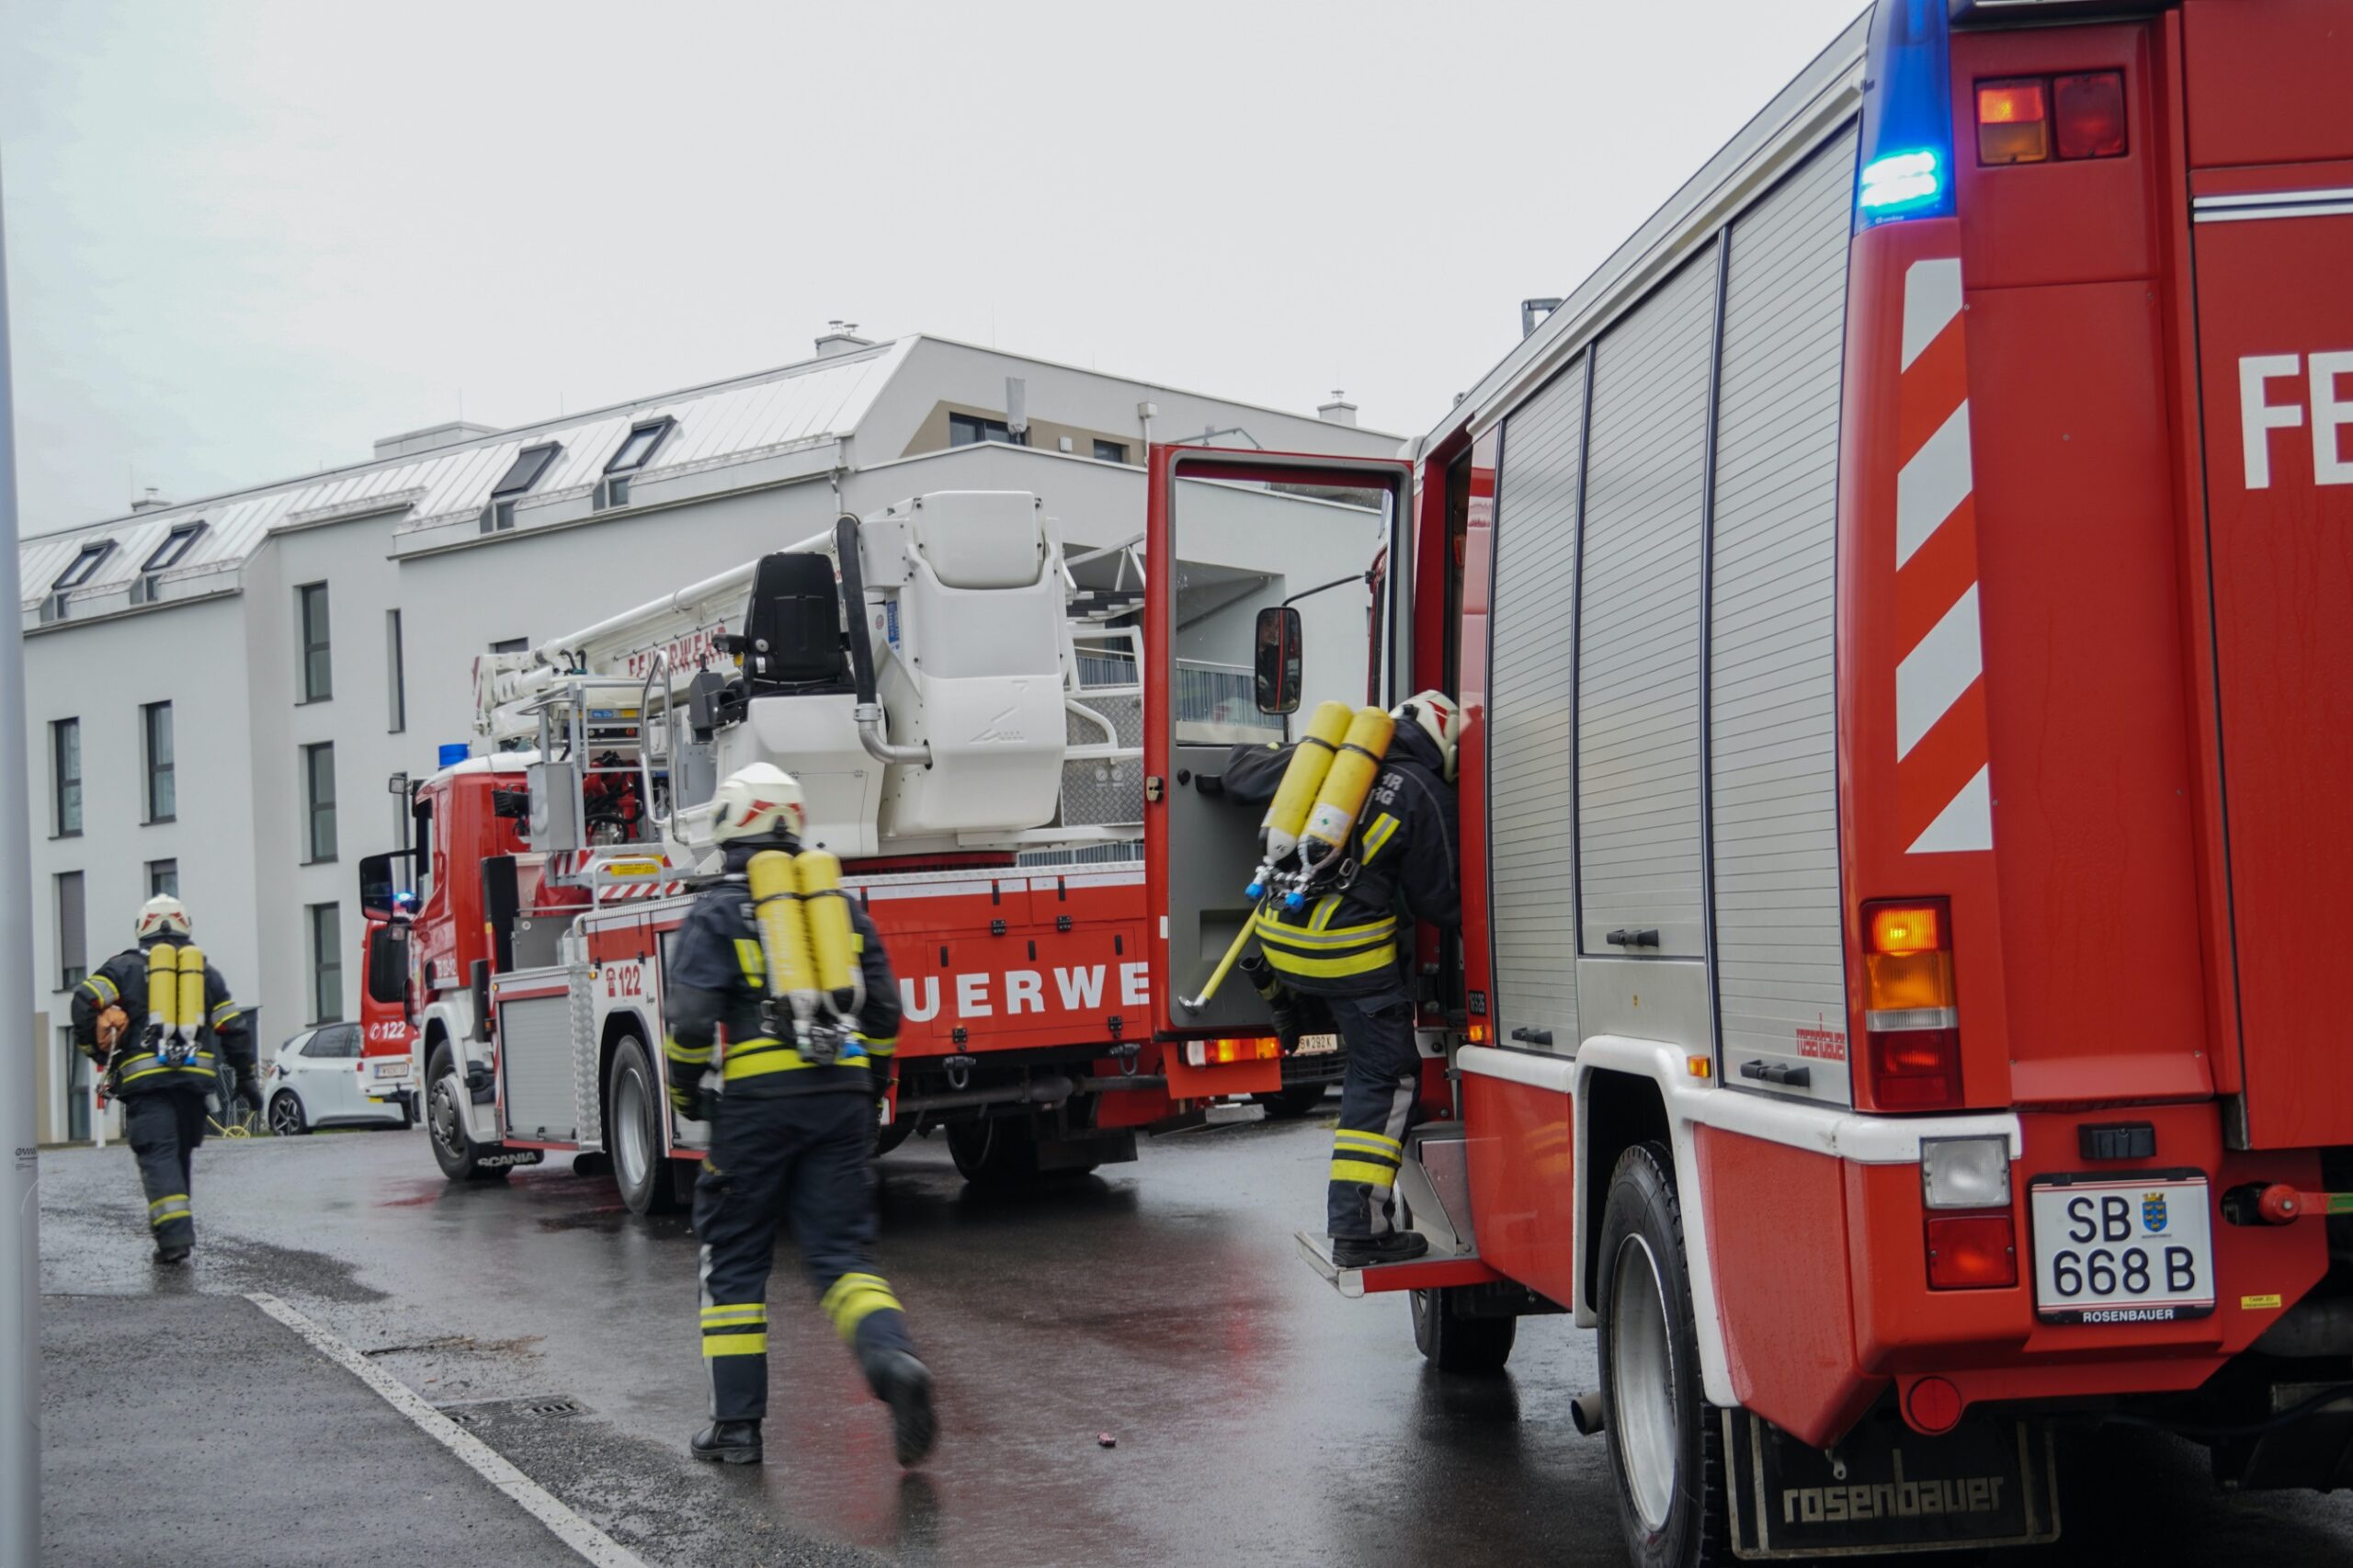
[{"x": 1347, "y": 863}]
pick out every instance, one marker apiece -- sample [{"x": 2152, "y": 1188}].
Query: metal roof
[{"x": 811, "y": 400}]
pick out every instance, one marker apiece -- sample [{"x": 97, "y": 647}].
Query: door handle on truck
[
  {"x": 1527, "y": 1035},
  {"x": 1623, "y": 938},
  {"x": 1779, "y": 1072}
]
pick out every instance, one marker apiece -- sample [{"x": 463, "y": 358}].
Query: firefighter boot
[
  {"x": 905, "y": 1384},
  {"x": 727, "y": 1442},
  {"x": 1363, "y": 1252}
]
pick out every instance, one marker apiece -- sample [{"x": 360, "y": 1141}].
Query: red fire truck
[
  {"x": 970, "y": 750},
  {"x": 1903, "y": 604}
]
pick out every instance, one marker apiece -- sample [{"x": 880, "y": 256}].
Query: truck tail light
[
  {"x": 1910, "y": 1015},
  {"x": 1226, "y": 1052},
  {"x": 1973, "y": 1251},
  {"x": 2031, "y": 119},
  {"x": 2013, "y": 121},
  {"x": 2090, "y": 114}
]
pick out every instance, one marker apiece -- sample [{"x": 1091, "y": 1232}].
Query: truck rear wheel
[
  {"x": 999, "y": 1152},
  {"x": 1452, "y": 1340},
  {"x": 1666, "y": 1447},
  {"x": 454, "y": 1148},
  {"x": 634, "y": 1109}
]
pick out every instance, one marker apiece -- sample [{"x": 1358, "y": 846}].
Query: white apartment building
[{"x": 218, "y": 691}]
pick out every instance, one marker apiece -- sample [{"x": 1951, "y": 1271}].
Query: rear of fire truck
[
  {"x": 961, "y": 715},
  {"x": 1900, "y": 609}
]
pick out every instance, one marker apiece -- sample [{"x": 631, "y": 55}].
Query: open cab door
[{"x": 1264, "y": 587}]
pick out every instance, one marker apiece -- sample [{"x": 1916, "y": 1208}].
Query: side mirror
[
  {"x": 1278, "y": 669},
  {"x": 379, "y": 888}
]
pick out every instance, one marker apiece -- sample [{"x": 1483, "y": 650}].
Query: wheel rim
[
  {"x": 285, "y": 1117},
  {"x": 442, "y": 1118},
  {"x": 630, "y": 1142},
  {"x": 1642, "y": 1383}
]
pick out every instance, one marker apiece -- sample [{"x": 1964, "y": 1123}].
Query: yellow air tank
[
  {"x": 162, "y": 989},
  {"x": 832, "y": 938},
  {"x": 191, "y": 1019},
  {"x": 1295, "y": 797},
  {"x": 1345, "y": 788},
  {"x": 784, "y": 931}
]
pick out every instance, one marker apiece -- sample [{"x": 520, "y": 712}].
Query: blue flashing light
[
  {"x": 1899, "y": 182},
  {"x": 454, "y": 753},
  {"x": 1907, "y": 115}
]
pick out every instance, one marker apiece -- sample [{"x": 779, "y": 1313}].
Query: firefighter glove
[
  {"x": 111, "y": 1025},
  {"x": 692, "y": 1101},
  {"x": 249, "y": 1089}
]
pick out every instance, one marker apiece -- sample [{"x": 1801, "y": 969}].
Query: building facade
[{"x": 219, "y": 692}]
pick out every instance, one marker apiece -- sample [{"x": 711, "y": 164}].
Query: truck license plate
[
  {"x": 1317, "y": 1045},
  {"x": 2123, "y": 1249}
]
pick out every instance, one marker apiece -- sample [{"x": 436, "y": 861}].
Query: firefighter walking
[
  {"x": 1343, "y": 949},
  {"x": 158, "y": 1020},
  {"x": 792, "y": 1124}
]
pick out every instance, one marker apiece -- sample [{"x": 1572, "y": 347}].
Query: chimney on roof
[
  {"x": 1339, "y": 410},
  {"x": 841, "y": 338},
  {"x": 151, "y": 501},
  {"x": 431, "y": 438}
]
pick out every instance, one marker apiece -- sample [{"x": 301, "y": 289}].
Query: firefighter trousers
[
  {"x": 1379, "y": 1086},
  {"x": 164, "y": 1125},
  {"x": 802, "y": 1161}
]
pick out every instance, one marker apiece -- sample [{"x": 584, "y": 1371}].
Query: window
[
  {"x": 529, "y": 464},
  {"x": 176, "y": 546},
  {"x": 318, "y": 666},
  {"x": 163, "y": 784},
  {"x": 639, "y": 449},
  {"x": 163, "y": 879},
  {"x": 396, "y": 679},
  {"x": 636, "y": 450},
  {"x": 326, "y": 965},
  {"x": 73, "y": 932},
  {"x": 1111, "y": 451},
  {"x": 511, "y": 645},
  {"x": 524, "y": 472},
  {"x": 318, "y": 794},
  {"x": 65, "y": 775},
  {"x": 971, "y": 429},
  {"x": 83, "y": 567},
  {"x": 78, "y": 1094},
  {"x": 339, "y": 1043}
]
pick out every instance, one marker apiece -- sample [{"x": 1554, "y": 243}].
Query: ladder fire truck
[
  {"x": 963, "y": 720},
  {"x": 1902, "y": 607}
]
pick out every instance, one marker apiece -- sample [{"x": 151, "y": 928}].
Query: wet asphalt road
[{"x": 1259, "y": 1418}]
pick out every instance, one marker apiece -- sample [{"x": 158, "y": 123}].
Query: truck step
[{"x": 1439, "y": 1267}]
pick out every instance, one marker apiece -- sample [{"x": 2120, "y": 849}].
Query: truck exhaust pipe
[{"x": 1588, "y": 1414}]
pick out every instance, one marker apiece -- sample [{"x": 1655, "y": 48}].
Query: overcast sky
[{"x": 245, "y": 240}]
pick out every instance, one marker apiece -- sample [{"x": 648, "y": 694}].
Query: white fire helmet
[
  {"x": 758, "y": 802},
  {"x": 1440, "y": 720},
  {"x": 163, "y": 916}
]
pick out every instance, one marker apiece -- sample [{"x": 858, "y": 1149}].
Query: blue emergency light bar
[{"x": 1907, "y": 115}]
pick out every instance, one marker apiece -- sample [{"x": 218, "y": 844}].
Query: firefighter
[
  {"x": 1344, "y": 949},
  {"x": 792, "y": 1140},
  {"x": 162, "y": 1057}
]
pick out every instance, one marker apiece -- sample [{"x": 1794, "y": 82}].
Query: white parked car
[{"x": 318, "y": 1079}]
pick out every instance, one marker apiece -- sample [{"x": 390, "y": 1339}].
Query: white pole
[{"x": 19, "y": 1204}]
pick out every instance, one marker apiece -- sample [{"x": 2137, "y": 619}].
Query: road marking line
[{"x": 571, "y": 1529}]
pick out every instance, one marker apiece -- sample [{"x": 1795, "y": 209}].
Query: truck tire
[
  {"x": 889, "y": 1138},
  {"x": 1292, "y": 1102},
  {"x": 1665, "y": 1444},
  {"x": 634, "y": 1112},
  {"x": 998, "y": 1153},
  {"x": 1453, "y": 1341},
  {"x": 454, "y": 1148}
]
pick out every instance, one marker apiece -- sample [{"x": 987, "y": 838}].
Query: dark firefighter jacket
[
  {"x": 1345, "y": 942},
  {"x": 135, "y": 1067},
  {"x": 717, "y": 979}
]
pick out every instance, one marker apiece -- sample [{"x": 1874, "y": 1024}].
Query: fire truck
[
  {"x": 963, "y": 717},
  {"x": 1902, "y": 607}
]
